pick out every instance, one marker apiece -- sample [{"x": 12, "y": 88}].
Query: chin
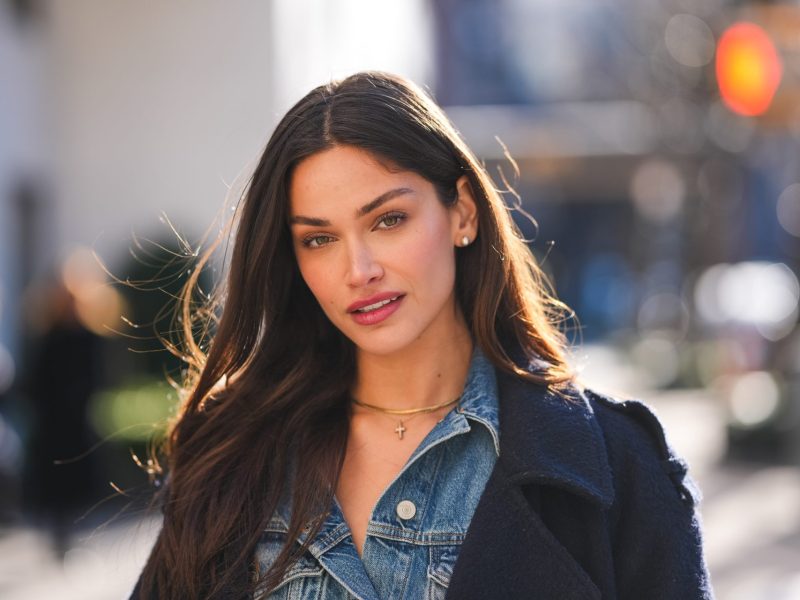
[
  {"x": 381, "y": 343},
  {"x": 378, "y": 347}
]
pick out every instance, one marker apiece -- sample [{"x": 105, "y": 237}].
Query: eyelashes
[
  {"x": 309, "y": 242},
  {"x": 398, "y": 216},
  {"x": 391, "y": 219}
]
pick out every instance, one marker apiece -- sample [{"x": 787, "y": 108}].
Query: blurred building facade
[{"x": 666, "y": 209}]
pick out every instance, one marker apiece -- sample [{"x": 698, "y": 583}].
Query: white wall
[
  {"x": 318, "y": 40},
  {"x": 156, "y": 105}
]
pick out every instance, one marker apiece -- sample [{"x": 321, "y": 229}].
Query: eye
[
  {"x": 316, "y": 241},
  {"x": 392, "y": 219}
]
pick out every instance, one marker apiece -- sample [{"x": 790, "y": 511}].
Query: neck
[{"x": 428, "y": 372}]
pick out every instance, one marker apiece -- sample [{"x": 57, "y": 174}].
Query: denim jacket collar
[
  {"x": 548, "y": 439},
  {"x": 479, "y": 402}
]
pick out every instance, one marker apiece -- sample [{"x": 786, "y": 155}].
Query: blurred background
[{"x": 657, "y": 143}]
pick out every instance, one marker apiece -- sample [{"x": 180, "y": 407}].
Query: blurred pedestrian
[
  {"x": 60, "y": 379},
  {"x": 386, "y": 409}
]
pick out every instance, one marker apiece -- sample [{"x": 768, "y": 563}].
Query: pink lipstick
[{"x": 376, "y": 308}]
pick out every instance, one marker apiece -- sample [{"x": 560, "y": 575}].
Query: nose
[{"x": 362, "y": 266}]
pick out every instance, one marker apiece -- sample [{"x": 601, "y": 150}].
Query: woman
[{"x": 386, "y": 410}]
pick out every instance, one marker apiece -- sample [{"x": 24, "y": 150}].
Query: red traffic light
[{"x": 748, "y": 68}]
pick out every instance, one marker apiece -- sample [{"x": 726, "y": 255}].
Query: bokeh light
[
  {"x": 689, "y": 40},
  {"x": 658, "y": 355},
  {"x": 748, "y": 68},
  {"x": 97, "y": 304},
  {"x": 135, "y": 411},
  {"x": 760, "y": 294},
  {"x": 753, "y": 398},
  {"x": 658, "y": 190}
]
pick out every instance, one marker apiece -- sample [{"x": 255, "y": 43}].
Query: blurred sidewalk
[{"x": 101, "y": 565}]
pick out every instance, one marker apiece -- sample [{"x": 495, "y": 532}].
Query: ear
[{"x": 464, "y": 214}]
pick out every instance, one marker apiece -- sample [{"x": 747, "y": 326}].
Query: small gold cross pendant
[{"x": 399, "y": 430}]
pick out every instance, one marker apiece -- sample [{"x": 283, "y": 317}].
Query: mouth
[
  {"x": 376, "y": 305},
  {"x": 374, "y": 302},
  {"x": 377, "y": 311}
]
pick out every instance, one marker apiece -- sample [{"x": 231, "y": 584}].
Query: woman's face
[{"x": 364, "y": 235}]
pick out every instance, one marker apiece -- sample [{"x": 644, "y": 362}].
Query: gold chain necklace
[{"x": 400, "y": 429}]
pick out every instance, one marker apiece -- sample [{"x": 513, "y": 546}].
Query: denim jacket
[{"x": 419, "y": 522}]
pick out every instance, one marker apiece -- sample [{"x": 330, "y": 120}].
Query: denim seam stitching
[{"x": 420, "y": 538}]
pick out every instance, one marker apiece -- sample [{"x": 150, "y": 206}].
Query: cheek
[
  {"x": 318, "y": 280},
  {"x": 431, "y": 255}
]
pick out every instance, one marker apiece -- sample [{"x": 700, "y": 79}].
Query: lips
[
  {"x": 373, "y": 300},
  {"x": 378, "y": 311}
]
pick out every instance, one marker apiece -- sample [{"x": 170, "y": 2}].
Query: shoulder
[
  {"x": 638, "y": 445},
  {"x": 616, "y": 453},
  {"x": 654, "y": 521}
]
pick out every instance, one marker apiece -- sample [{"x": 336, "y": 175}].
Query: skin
[{"x": 418, "y": 356}]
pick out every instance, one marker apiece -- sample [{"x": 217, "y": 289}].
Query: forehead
[{"x": 343, "y": 175}]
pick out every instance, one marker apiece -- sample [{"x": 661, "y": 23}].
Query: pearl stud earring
[{"x": 465, "y": 241}]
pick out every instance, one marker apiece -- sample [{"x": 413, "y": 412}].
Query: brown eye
[
  {"x": 316, "y": 241},
  {"x": 391, "y": 220}
]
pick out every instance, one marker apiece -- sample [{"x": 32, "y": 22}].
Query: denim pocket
[
  {"x": 440, "y": 570},
  {"x": 302, "y": 580}
]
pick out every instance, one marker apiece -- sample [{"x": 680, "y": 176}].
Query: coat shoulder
[{"x": 634, "y": 434}]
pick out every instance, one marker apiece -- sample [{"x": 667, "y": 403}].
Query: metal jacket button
[{"x": 406, "y": 509}]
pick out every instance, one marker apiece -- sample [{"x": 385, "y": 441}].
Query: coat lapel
[
  {"x": 509, "y": 552},
  {"x": 552, "y": 439}
]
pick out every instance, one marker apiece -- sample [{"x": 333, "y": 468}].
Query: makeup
[{"x": 377, "y": 315}]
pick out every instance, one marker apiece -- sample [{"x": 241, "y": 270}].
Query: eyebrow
[{"x": 364, "y": 210}]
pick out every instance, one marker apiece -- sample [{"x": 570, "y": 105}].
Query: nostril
[{"x": 363, "y": 270}]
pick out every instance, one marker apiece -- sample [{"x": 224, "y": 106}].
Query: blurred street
[
  {"x": 751, "y": 512},
  {"x": 751, "y": 516}
]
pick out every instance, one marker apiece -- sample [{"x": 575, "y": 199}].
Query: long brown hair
[{"x": 288, "y": 370}]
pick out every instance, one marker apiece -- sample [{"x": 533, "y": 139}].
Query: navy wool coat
[{"x": 587, "y": 501}]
